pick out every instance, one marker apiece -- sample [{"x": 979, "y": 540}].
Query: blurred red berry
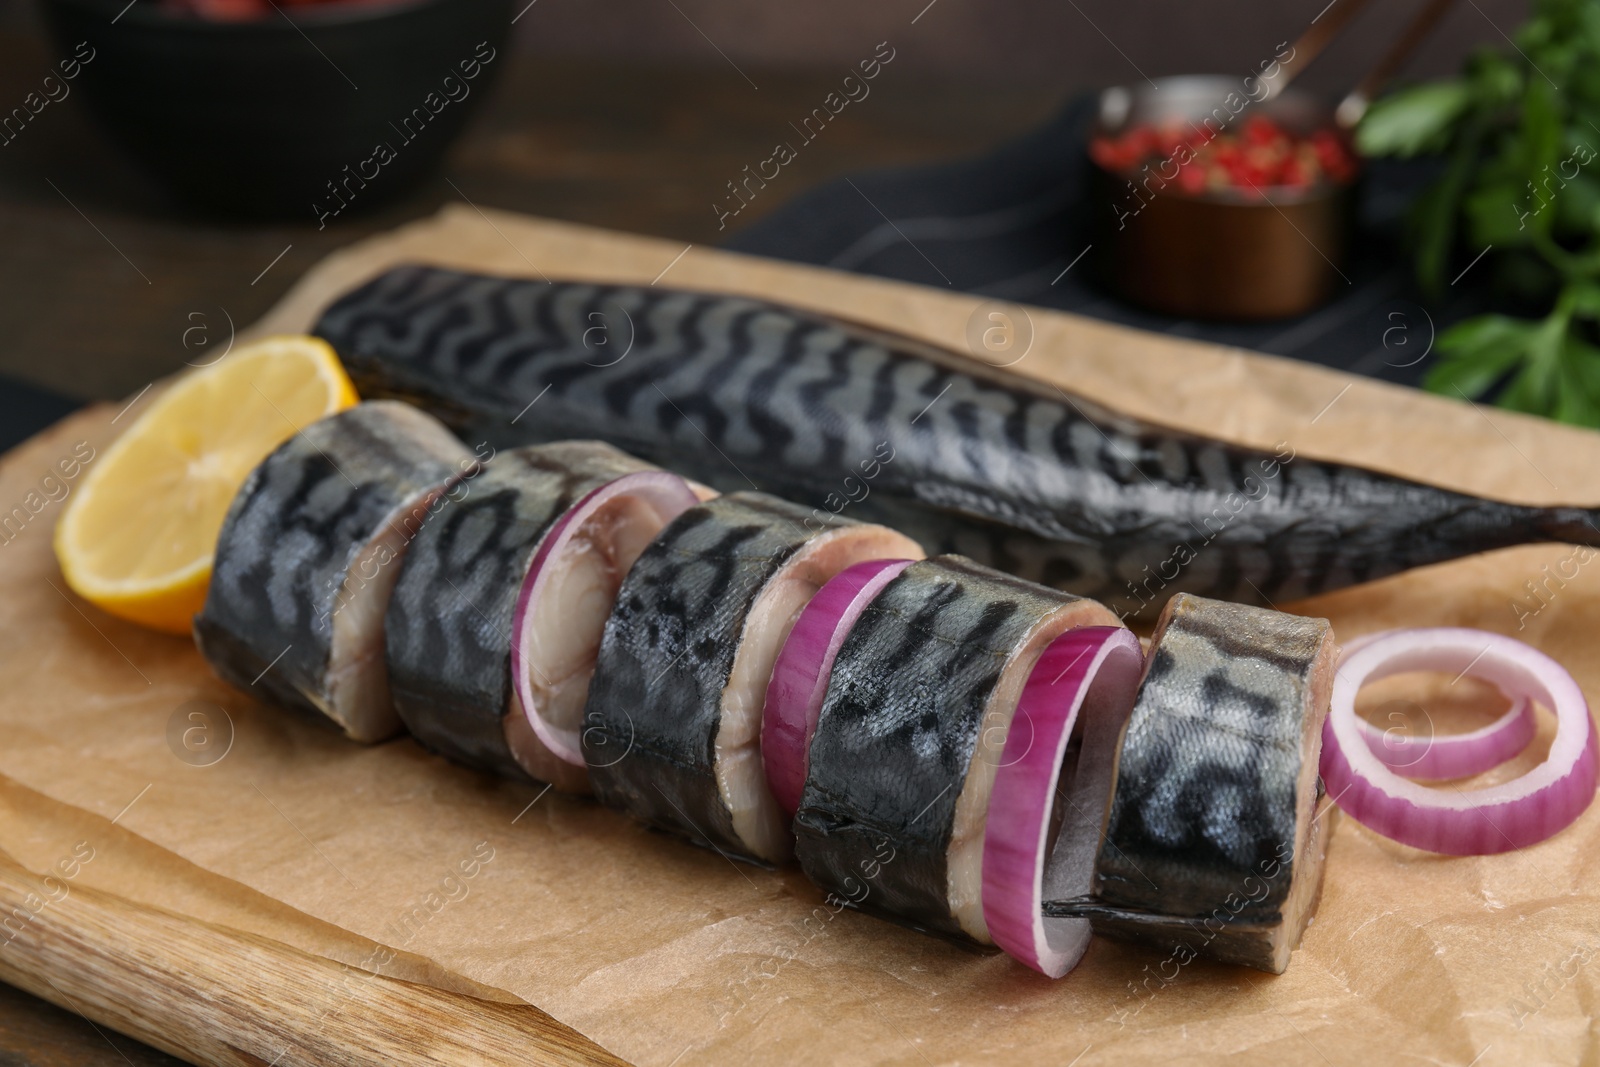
[{"x": 1257, "y": 155}]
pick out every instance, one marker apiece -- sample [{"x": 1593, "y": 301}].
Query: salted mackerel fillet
[
  {"x": 449, "y": 625},
  {"x": 1004, "y": 468},
  {"x": 1214, "y": 846},
  {"x": 673, "y": 724},
  {"x": 911, "y": 734},
  {"x": 309, "y": 553}
]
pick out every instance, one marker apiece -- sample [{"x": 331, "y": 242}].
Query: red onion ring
[
  {"x": 1458, "y": 822},
  {"x": 1090, "y": 674},
  {"x": 800, "y": 674},
  {"x": 1451, "y": 755},
  {"x": 670, "y": 495}
]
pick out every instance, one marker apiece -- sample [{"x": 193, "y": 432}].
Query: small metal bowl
[{"x": 1227, "y": 256}]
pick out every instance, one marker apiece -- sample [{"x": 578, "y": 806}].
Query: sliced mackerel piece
[
  {"x": 449, "y": 626},
  {"x": 309, "y": 553},
  {"x": 911, "y": 734},
  {"x": 1213, "y": 846},
  {"x": 673, "y": 723}
]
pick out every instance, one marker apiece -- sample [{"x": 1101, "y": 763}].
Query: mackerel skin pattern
[
  {"x": 898, "y": 730},
  {"x": 294, "y": 530},
  {"x": 654, "y": 706},
  {"x": 448, "y": 630},
  {"x": 1007, "y": 470},
  {"x": 1216, "y": 785}
]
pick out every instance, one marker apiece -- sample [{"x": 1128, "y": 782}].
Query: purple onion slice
[
  {"x": 1052, "y": 791},
  {"x": 1473, "y": 822},
  {"x": 1443, "y": 756},
  {"x": 800, "y": 675},
  {"x": 568, "y": 594}
]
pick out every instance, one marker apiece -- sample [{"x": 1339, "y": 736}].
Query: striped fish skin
[
  {"x": 1213, "y": 846},
  {"x": 448, "y": 629},
  {"x": 1004, "y": 469},
  {"x": 665, "y": 695},
  {"x": 910, "y": 736},
  {"x": 308, "y": 553}
]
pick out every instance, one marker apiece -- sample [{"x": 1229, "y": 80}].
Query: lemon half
[{"x": 137, "y": 536}]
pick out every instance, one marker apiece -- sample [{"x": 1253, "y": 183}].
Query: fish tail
[{"x": 1575, "y": 526}]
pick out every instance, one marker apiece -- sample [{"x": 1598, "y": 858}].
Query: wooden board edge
[{"x": 174, "y": 982}]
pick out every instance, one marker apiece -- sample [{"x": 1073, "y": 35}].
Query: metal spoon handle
[
  {"x": 1323, "y": 29},
  {"x": 1354, "y": 105}
]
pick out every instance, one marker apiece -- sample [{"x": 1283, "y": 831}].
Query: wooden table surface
[
  {"x": 101, "y": 275},
  {"x": 106, "y": 285}
]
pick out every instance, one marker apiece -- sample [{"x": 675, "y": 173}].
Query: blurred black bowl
[{"x": 286, "y": 116}]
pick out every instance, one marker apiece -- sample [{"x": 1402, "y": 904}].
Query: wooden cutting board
[{"x": 299, "y": 901}]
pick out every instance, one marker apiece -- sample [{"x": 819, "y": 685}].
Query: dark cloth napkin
[
  {"x": 1012, "y": 224},
  {"x": 26, "y": 409}
]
